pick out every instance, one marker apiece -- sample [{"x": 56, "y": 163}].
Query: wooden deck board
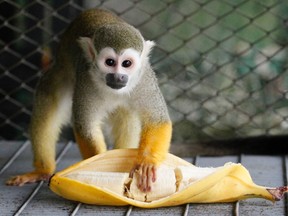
[
  {"x": 213, "y": 209},
  {"x": 56, "y": 205},
  {"x": 265, "y": 170}
]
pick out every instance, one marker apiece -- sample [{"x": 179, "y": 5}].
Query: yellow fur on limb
[{"x": 154, "y": 143}]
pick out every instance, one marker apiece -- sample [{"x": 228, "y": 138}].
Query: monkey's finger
[
  {"x": 145, "y": 179},
  {"x": 138, "y": 175},
  {"x": 149, "y": 177},
  {"x": 154, "y": 173},
  {"x": 133, "y": 170}
]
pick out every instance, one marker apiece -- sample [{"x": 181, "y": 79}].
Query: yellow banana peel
[{"x": 228, "y": 183}]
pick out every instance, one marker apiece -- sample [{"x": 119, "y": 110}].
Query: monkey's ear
[
  {"x": 148, "y": 45},
  {"x": 87, "y": 46}
]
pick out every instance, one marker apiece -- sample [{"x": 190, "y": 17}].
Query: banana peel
[{"x": 228, "y": 183}]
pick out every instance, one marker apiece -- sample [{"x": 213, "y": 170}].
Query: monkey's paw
[
  {"x": 31, "y": 177},
  {"x": 145, "y": 175}
]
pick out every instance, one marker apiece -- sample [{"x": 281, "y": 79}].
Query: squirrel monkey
[{"x": 102, "y": 71}]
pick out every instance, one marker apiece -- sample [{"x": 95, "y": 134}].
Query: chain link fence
[{"x": 221, "y": 64}]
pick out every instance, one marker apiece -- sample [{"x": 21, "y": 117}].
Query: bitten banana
[{"x": 104, "y": 180}]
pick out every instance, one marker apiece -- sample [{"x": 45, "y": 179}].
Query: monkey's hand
[
  {"x": 145, "y": 175},
  {"x": 153, "y": 149},
  {"x": 31, "y": 177}
]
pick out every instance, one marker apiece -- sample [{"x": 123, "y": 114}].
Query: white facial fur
[
  {"x": 108, "y": 61},
  {"x": 134, "y": 72}
]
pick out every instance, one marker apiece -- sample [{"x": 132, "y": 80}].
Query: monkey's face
[
  {"x": 116, "y": 69},
  {"x": 119, "y": 70}
]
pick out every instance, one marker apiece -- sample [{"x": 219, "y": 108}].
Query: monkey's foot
[
  {"x": 145, "y": 175},
  {"x": 31, "y": 177}
]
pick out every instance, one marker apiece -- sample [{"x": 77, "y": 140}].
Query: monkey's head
[{"x": 118, "y": 53}]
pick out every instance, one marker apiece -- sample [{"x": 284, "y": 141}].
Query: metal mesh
[{"x": 221, "y": 64}]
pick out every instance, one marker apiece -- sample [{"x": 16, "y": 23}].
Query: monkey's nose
[{"x": 116, "y": 80}]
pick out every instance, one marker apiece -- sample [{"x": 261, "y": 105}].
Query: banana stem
[{"x": 278, "y": 192}]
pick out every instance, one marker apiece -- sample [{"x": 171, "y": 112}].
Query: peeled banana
[{"x": 104, "y": 180}]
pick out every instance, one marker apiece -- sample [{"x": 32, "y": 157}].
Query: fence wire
[{"x": 221, "y": 64}]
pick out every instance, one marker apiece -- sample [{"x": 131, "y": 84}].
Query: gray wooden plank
[
  {"x": 266, "y": 171},
  {"x": 209, "y": 161},
  {"x": 101, "y": 210},
  {"x": 54, "y": 204},
  {"x": 8, "y": 149},
  {"x": 217, "y": 208},
  {"x": 12, "y": 197},
  {"x": 177, "y": 210}
]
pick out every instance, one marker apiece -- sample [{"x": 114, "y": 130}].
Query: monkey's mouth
[
  {"x": 115, "y": 85},
  {"x": 116, "y": 80}
]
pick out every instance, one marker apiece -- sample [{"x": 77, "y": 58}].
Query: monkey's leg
[
  {"x": 126, "y": 128},
  {"x": 51, "y": 110},
  {"x": 90, "y": 141},
  {"x": 154, "y": 146}
]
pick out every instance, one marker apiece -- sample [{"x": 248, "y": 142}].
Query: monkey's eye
[
  {"x": 110, "y": 62},
  {"x": 126, "y": 63}
]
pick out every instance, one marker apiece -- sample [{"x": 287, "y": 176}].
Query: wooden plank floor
[{"x": 37, "y": 199}]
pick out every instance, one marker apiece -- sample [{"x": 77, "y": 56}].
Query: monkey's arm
[
  {"x": 154, "y": 146},
  {"x": 154, "y": 143},
  {"x": 155, "y": 135}
]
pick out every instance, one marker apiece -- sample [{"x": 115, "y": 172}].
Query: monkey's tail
[{"x": 46, "y": 58}]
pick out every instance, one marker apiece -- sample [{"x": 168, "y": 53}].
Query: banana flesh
[
  {"x": 104, "y": 180},
  {"x": 113, "y": 181}
]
